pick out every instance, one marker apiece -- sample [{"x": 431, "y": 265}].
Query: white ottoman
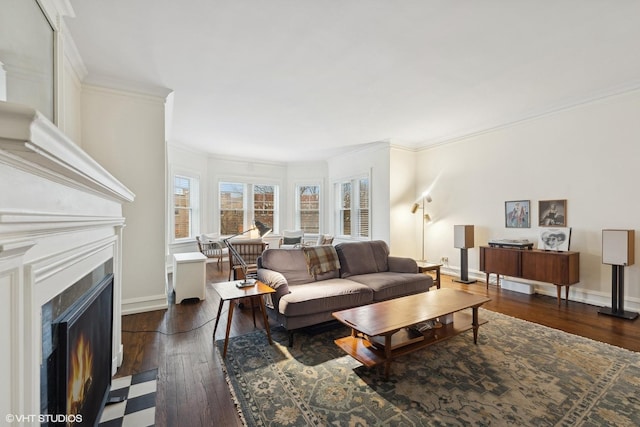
[{"x": 189, "y": 275}]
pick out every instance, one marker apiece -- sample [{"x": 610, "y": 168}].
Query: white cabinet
[{"x": 189, "y": 275}]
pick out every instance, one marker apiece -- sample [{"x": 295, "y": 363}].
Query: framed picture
[
  {"x": 555, "y": 239},
  {"x": 517, "y": 214},
  {"x": 552, "y": 213}
]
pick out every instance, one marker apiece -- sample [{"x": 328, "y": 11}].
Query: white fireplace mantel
[
  {"x": 31, "y": 142},
  {"x": 60, "y": 218}
]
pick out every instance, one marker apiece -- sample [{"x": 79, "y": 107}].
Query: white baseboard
[
  {"x": 524, "y": 288},
  {"x": 577, "y": 294},
  {"x": 141, "y": 305}
]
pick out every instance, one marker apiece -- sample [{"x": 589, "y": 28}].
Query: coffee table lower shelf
[{"x": 370, "y": 350}]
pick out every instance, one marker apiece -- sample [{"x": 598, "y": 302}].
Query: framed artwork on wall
[
  {"x": 555, "y": 239},
  {"x": 552, "y": 213},
  {"x": 517, "y": 214}
]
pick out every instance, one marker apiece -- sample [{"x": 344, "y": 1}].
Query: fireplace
[
  {"x": 82, "y": 359},
  {"x": 77, "y": 341}
]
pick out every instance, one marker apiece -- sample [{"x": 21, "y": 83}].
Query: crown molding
[
  {"x": 508, "y": 122},
  {"x": 110, "y": 84}
]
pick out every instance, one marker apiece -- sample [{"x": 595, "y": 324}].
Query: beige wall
[
  {"x": 588, "y": 155},
  {"x": 404, "y": 227},
  {"x": 124, "y": 132}
]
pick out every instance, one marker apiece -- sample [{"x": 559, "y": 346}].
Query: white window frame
[
  {"x": 354, "y": 207},
  {"x": 248, "y": 207},
  {"x": 194, "y": 206}
]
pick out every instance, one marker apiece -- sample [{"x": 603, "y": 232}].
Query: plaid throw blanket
[{"x": 321, "y": 259}]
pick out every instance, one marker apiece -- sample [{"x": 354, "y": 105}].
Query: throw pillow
[{"x": 291, "y": 240}]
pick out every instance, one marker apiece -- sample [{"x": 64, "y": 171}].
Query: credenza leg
[
  {"x": 559, "y": 288},
  {"x": 497, "y": 280}
]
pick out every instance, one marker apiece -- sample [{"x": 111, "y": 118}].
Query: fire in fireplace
[{"x": 83, "y": 355}]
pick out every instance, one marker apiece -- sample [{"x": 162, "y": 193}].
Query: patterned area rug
[{"x": 520, "y": 373}]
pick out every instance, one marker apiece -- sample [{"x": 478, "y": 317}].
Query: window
[
  {"x": 353, "y": 208},
  {"x": 237, "y": 213},
  {"x": 363, "y": 207},
  {"x": 264, "y": 204},
  {"x": 185, "y": 207},
  {"x": 231, "y": 208},
  {"x": 344, "y": 225},
  {"x": 308, "y": 208}
]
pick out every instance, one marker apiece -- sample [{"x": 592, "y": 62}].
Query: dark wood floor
[{"x": 191, "y": 385}]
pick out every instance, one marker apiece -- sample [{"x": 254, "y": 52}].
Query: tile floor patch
[{"x": 140, "y": 407}]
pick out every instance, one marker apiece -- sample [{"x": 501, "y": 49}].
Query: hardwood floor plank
[{"x": 192, "y": 388}]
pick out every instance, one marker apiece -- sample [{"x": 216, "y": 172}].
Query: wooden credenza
[{"x": 559, "y": 268}]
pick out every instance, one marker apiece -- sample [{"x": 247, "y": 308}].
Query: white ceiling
[{"x": 286, "y": 79}]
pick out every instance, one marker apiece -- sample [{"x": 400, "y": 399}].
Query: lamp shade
[{"x": 263, "y": 229}]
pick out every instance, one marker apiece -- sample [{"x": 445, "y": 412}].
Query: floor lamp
[
  {"x": 425, "y": 217},
  {"x": 263, "y": 230}
]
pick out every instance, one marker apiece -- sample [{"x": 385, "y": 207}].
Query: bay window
[
  {"x": 232, "y": 208},
  {"x": 308, "y": 208},
  {"x": 242, "y": 203},
  {"x": 264, "y": 199}
]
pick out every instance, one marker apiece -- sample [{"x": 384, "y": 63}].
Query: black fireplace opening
[{"x": 80, "y": 365}]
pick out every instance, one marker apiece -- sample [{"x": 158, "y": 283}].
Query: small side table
[
  {"x": 424, "y": 266},
  {"x": 189, "y": 275},
  {"x": 228, "y": 291}
]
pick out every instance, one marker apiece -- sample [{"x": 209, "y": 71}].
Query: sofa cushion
[
  {"x": 362, "y": 257},
  {"x": 292, "y": 264},
  {"x": 324, "y": 296},
  {"x": 402, "y": 264},
  {"x": 388, "y": 285}
]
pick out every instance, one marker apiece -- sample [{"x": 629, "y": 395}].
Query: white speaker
[
  {"x": 463, "y": 236},
  {"x": 618, "y": 247}
]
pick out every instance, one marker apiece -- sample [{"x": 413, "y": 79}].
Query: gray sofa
[{"x": 366, "y": 274}]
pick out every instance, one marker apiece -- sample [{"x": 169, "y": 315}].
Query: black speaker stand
[
  {"x": 617, "y": 296},
  {"x": 464, "y": 268}
]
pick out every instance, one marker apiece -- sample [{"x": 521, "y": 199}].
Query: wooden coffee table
[{"x": 380, "y": 332}]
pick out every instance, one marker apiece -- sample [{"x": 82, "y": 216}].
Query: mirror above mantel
[{"x": 27, "y": 56}]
